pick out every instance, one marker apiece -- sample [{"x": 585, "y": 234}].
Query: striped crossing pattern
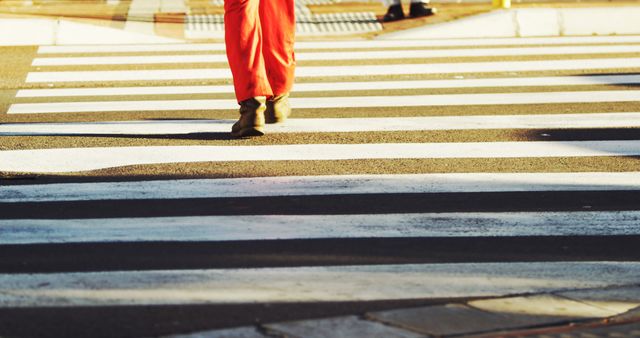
[{"x": 410, "y": 170}]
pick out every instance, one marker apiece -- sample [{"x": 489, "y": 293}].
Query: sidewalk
[
  {"x": 534, "y": 20},
  {"x": 613, "y": 312}
]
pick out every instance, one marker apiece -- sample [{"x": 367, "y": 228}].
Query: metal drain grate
[
  {"x": 212, "y": 26},
  {"x": 338, "y": 23}
]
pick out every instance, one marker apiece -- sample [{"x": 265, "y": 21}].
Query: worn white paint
[
  {"x": 327, "y": 125},
  {"x": 124, "y": 48},
  {"x": 125, "y": 91},
  {"x": 281, "y": 227},
  {"x": 322, "y": 185},
  {"x": 335, "y": 56},
  {"x": 543, "y": 305},
  {"x": 308, "y": 284},
  {"x": 129, "y": 75},
  {"x": 83, "y": 159},
  {"x": 324, "y": 71},
  {"x": 128, "y": 60},
  {"x": 335, "y": 102},
  {"x": 345, "y": 86}
]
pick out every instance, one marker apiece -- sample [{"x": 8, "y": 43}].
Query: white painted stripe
[
  {"x": 129, "y": 60},
  {"x": 139, "y": 48},
  {"x": 327, "y": 125},
  {"x": 336, "y": 102},
  {"x": 82, "y": 159},
  {"x": 346, "y": 44},
  {"x": 344, "y": 86},
  {"x": 322, "y": 185},
  {"x": 129, "y": 75},
  {"x": 308, "y": 284},
  {"x": 327, "y": 56},
  {"x": 126, "y": 91},
  {"x": 280, "y": 227},
  {"x": 324, "y": 71}
]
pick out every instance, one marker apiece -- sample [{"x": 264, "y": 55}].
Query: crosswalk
[{"x": 411, "y": 170}]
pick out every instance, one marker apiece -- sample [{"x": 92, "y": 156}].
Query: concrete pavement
[{"x": 585, "y": 313}]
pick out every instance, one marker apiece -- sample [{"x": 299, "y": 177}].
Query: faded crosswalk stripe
[
  {"x": 326, "y": 125},
  {"x": 83, "y": 159},
  {"x": 366, "y": 55},
  {"x": 345, "y": 86},
  {"x": 351, "y": 70},
  {"x": 347, "y": 44},
  {"x": 337, "y": 102},
  {"x": 322, "y": 284}
]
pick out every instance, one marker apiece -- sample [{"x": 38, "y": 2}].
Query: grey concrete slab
[
  {"x": 450, "y": 319},
  {"x": 240, "y": 332},
  {"x": 338, "y": 327},
  {"x": 618, "y": 299}
]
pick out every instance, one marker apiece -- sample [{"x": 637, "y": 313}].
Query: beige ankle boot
[
  {"x": 251, "y": 122},
  {"x": 278, "y": 109}
]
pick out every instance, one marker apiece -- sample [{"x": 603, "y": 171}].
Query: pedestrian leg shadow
[
  {"x": 213, "y": 136},
  {"x": 583, "y": 134},
  {"x": 167, "y": 129},
  {"x": 206, "y": 136}
]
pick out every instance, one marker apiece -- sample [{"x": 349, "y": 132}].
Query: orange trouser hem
[{"x": 259, "y": 37}]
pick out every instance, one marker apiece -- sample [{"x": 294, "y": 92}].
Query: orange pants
[{"x": 259, "y": 36}]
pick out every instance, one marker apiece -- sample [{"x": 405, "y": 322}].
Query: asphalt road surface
[{"x": 411, "y": 173}]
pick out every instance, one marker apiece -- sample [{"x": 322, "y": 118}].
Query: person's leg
[
  {"x": 244, "y": 42},
  {"x": 278, "y": 32},
  {"x": 243, "y": 38}
]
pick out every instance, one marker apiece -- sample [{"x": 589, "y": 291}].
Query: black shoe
[
  {"x": 394, "y": 13},
  {"x": 419, "y": 9}
]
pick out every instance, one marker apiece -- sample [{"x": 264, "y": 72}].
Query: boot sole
[
  {"x": 248, "y": 132},
  {"x": 430, "y": 11},
  {"x": 271, "y": 120}
]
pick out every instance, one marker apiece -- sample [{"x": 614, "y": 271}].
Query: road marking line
[
  {"x": 322, "y": 185},
  {"x": 345, "y": 86},
  {"x": 281, "y": 227},
  {"x": 332, "y": 125},
  {"x": 308, "y": 284},
  {"x": 346, "y": 44},
  {"x": 324, "y": 71},
  {"x": 83, "y": 159},
  {"x": 335, "y": 56},
  {"x": 335, "y": 102}
]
